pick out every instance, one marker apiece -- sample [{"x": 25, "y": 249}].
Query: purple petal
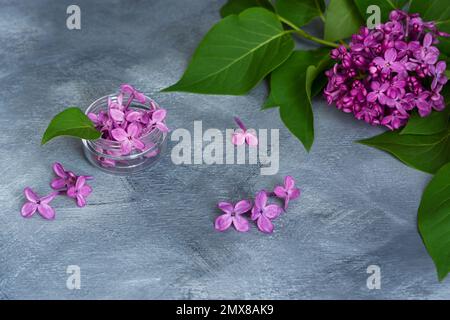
[
  {"x": 162, "y": 127},
  {"x": 390, "y": 55},
  {"x": 264, "y": 224},
  {"x": 372, "y": 97},
  {"x": 223, "y": 222},
  {"x": 72, "y": 192},
  {"x": 379, "y": 61},
  {"x": 261, "y": 199},
  {"x": 81, "y": 180},
  {"x": 58, "y": 183},
  {"x": 30, "y": 195},
  {"x": 238, "y": 138},
  {"x": 117, "y": 115},
  {"x": 119, "y": 134},
  {"x": 242, "y": 206},
  {"x": 59, "y": 170},
  {"x": 225, "y": 207},
  {"x": 46, "y": 211},
  {"x": 125, "y": 147},
  {"x": 295, "y": 193},
  {"x": 256, "y": 212},
  {"x": 280, "y": 192},
  {"x": 133, "y": 116},
  {"x": 272, "y": 211},
  {"x": 138, "y": 144},
  {"x": 81, "y": 201},
  {"x": 159, "y": 115},
  {"x": 47, "y": 199},
  {"x": 133, "y": 130},
  {"x": 85, "y": 190},
  {"x": 251, "y": 139},
  {"x": 240, "y": 223},
  {"x": 289, "y": 182},
  {"x": 428, "y": 40},
  {"x": 28, "y": 209}
]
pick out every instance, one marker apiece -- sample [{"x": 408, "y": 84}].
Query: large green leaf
[
  {"x": 236, "y": 54},
  {"x": 434, "y": 220},
  {"x": 437, "y": 11},
  {"x": 342, "y": 20},
  {"x": 299, "y": 12},
  {"x": 436, "y": 122},
  {"x": 291, "y": 90},
  {"x": 71, "y": 122},
  {"x": 423, "y": 152},
  {"x": 237, "y": 6},
  {"x": 386, "y": 6}
]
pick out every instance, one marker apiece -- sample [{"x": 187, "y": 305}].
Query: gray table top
[{"x": 151, "y": 235}]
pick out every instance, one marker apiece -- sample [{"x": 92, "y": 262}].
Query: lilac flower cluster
[
  {"x": 123, "y": 124},
  {"x": 261, "y": 212},
  {"x": 389, "y": 71},
  {"x": 67, "y": 183}
]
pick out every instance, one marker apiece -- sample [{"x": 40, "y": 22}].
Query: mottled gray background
[{"x": 151, "y": 236}]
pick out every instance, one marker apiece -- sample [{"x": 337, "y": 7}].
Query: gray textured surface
[{"x": 150, "y": 236}]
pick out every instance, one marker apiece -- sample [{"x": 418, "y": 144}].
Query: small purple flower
[
  {"x": 233, "y": 215},
  {"x": 157, "y": 120},
  {"x": 389, "y": 62},
  {"x": 243, "y": 135},
  {"x": 128, "y": 139},
  {"x": 132, "y": 92},
  {"x": 263, "y": 213},
  {"x": 65, "y": 178},
  {"x": 40, "y": 204},
  {"x": 80, "y": 191},
  {"x": 438, "y": 73},
  {"x": 378, "y": 92},
  {"x": 288, "y": 191}
]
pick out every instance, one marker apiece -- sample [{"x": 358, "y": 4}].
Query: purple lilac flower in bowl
[
  {"x": 133, "y": 132},
  {"x": 389, "y": 72}
]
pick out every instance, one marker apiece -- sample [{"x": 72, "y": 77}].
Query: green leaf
[
  {"x": 386, "y": 7},
  {"x": 236, "y": 54},
  {"x": 342, "y": 20},
  {"x": 436, "y": 122},
  {"x": 269, "y": 103},
  {"x": 71, "y": 122},
  {"x": 237, "y": 6},
  {"x": 423, "y": 152},
  {"x": 291, "y": 89},
  {"x": 299, "y": 12},
  {"x": 437, "y": 11},
  {"x": 434, "y": 220}
]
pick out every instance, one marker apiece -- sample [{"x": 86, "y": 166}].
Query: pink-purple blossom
[
  {"x": 264, "y": 213},
  {"x": 261, "y": 212},
  {"x": 288, "y": 191},
  {"x": 66, "y": 183},
  {"x": 233, "y": 215},
  {"x": 243, "y": 135},
  {"x": 389, "y": 71},
  {"x": 80, "y": 191},
  {"x": 39, "y": 204}
]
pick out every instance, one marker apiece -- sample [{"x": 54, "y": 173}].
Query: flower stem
[
  {"x": 322, "y": 17},
  {"x": 240, "y": 123},
  {"x": 306, "y": 35}
]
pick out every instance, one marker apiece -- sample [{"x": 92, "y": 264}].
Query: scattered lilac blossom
[
  {"x": 35, "y": 203},
  {"x": 65, "y": 178},
  {"x": 389, "y": 71},
  {"x": 80, "y": 191},
  {"x": 264, "y": 213},
  {"x": 243, "y": 135},
  {"x": 233, "y": 215},
  {"x": 288, "y": 191},
  {"x": 261, "y": 212}
]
